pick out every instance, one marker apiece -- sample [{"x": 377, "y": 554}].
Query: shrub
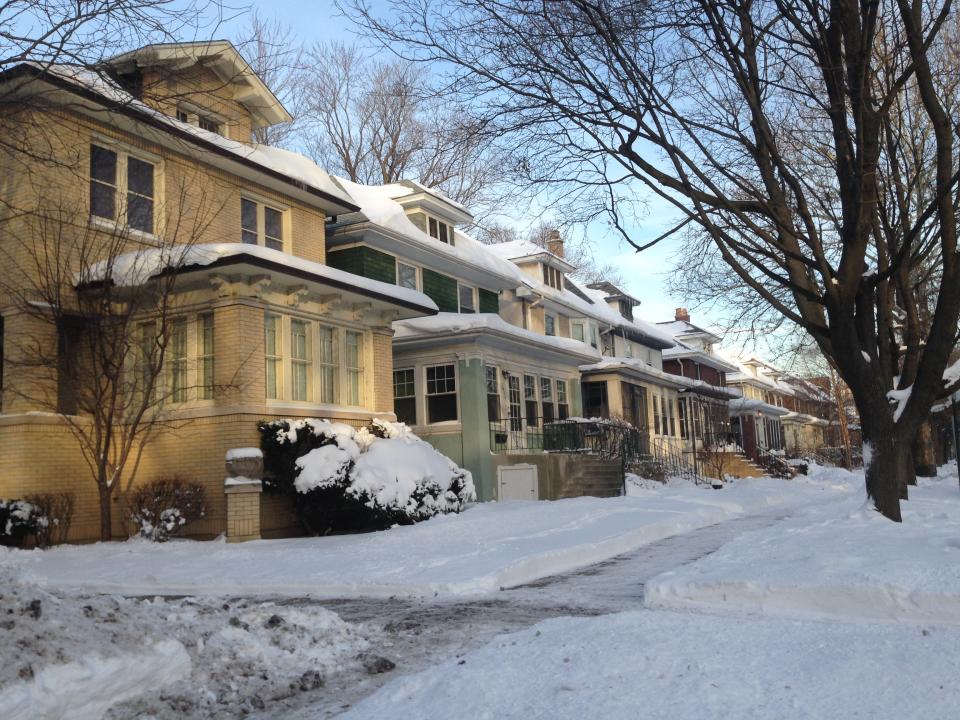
[
  {"x": 159, "y": 509},
  {"x": 55, "y": 512},
  {"x": 341, "y": 478},
  {"x": 18, "y": 519}
]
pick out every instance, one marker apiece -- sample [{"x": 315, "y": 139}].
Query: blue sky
[{"x": 646, "y": 272}]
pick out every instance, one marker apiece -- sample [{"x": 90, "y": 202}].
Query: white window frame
[
  {"x": 261, "y": 204},
  {"x": 276, "y": 359},
  {"x": 351, "y": 371},
  {"x": 439, "y": 222},
  {"x": 417, "y": 280},
  {"x": 473, "y": 298},
  {"x": 121, "y": 189},
  {"x": 427, "y": 394}
]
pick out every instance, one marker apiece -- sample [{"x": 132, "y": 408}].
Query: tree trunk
[
  {"x": 106, "y": 524},
  {"x": 924, "y": 452},
  {"x": 886, "y": 473}
]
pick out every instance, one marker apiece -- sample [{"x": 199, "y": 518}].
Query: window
[
  {"x": 608, "y": 347},
  {"x": 68, "y": 342},
  {"x": 576, "y": 331},
  {"x": 549, "y": 324},
  {"x": 354, "y": 346},
  {"x": 183, "y": 116},
  {"x": 440, "y": 231},
  {"x": 552, "y": 277},
  {"x": 467, "y": 304},
  {"x": 595, "y": 403},
  {"x": 563, "y": 408},
  {"x": 271, "y": 342},
  {"x": 682, "y": 417},
  {"x": 670, "y": 413},
  {"x": 108, "y": 173},
  {"x": 406, "y": 275},
  {"x": 178, "y": 360},
  {"x": 103, "y": 182},
  {"x": 206, "y": 123},
  {"x": 248, "y": 221},
  {"x": 493, "y": 393},
  {"x": 530, "y": 398},
  {"x": 404, "y": 396},
  {"x": 593, "y": 336},
  {"x": 441, "y": 393},
  {"x": 146, "y": 349},
  {"x": 627, "y": 348},
  {"x": 261, "y": 224},
  {"x": 513, "y": 396},
  {"x": 140, "y": 195},
  {"x": 299, "y": 359},
  {"x": 546, "y": 399},
  {"x": 656, "y": 414},
  {"x": 205, "y": 355},
  {"x": 328, "y": 365}
]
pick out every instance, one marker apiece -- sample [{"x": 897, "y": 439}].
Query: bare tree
[
  {"x": 379, "y": 122},
  {"x": 100, "y": 308},
  {"x": 766, "y": 126},
  {"x": 277, "y": 57}
]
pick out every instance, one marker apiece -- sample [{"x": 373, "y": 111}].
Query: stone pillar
[{"x": 243, "y": 487}]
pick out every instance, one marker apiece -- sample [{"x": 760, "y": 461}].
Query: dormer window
[
  {"x": 440, "y": 230},
  {"x": 553, "y": 277},
  {"x": 200, "y": 120}
]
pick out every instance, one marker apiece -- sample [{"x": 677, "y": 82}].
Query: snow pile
[
  {"x": 843, "y": 560},
  {"x": 76, "y": 657},
  {"x": 487, "y": 547},
  {"x": 337, "y": 471},
  {"x": 681, "y": 666}
]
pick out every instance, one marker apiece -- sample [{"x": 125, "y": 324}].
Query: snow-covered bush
[
  {"x": 159, "y": 509},
  {"x": 18, "y": 519},
  {"x": 342, "y": 478}
]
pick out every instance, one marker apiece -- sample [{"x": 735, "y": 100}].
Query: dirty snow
[
  {"x": 489, "y": 546},
  {"x": 838, "y": 561},
  {"x": 679, "y": 666},
  {"x": 70, "y": 656}
]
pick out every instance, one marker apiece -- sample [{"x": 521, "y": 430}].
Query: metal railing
[
  {"x": 606, "y": 438},
  {"x": 773, "y": 464}
]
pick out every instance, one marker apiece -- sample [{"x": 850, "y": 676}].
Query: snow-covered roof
[
  {"x": 685, "y": 328},
  {"x": 295, "y": 169},
  {"x": 744, "y": 362},
  {"x": 487, "y": 323},
  {"x": 682, "y": 351},
  {"x": 659, "y": 376},
  {"x": 407, "y": 190},
  {"x": 519, "y": 250},
  {"x": 380, "y": 209},
  {"x": 600, "y": 309},
  {"x": 134, "y": 268},
  {"x": 742, "y": 405}
]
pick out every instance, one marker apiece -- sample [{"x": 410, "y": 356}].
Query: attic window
[
  {"x": 626, "y": 309},
  {"x": 204, "y": 122},
  {"x": 553, "y": 277},
  {"x": 440, "y": 231}
]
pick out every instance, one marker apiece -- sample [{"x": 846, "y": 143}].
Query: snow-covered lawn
[
  {"x": 836, "y": 561},
  {"x": 490, "y": 546},
  {"x": 678, "y": 666}
]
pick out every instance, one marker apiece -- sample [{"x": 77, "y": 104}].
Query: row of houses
[{"x": 305, "y": 295}]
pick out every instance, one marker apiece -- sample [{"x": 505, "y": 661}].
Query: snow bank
[
  {"x": 841, "y": 561},
  {"x": 487, "y": 547},
  {"x": 671, "y": 666},
  {"x": 89, "y": 686}
]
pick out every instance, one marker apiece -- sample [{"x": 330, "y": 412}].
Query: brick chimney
[
  {"x": 555, "y": 243},
  {"x": 682, "y": 314}
]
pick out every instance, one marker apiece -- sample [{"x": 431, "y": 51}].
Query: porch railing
[{"x": 608, "y": 439}]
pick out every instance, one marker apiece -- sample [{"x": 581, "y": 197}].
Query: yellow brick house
[{"x": 157, "y": 151}]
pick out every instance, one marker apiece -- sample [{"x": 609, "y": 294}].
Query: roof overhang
[
  {"x": 634, "y": 371},
  {"x": 545, "y": 257},
  {"x": 494, "y": 339},
  {"x": 742, "y": 406},
  {"x": 435, "y": 205},
  {"x": 702, "y": 358},
  {"x": 394, "y": 243},
  {"x": 221, "y": 57},
  {"x": 152, "y": 127}
]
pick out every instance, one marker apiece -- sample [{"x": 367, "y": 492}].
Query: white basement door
[{"x": 517, "y": 482}]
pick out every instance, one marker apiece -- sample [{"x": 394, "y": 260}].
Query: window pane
[
  {"x": 406, "y": 410},
  {"x": 546, "y": 389},
  {"x": 102, "y": 200},
  {"x": 140, "y": 213},
  {"x": 549, "y": 323},
  {"x": 208, "y": 124},
  {"x": 354, "y": 348},
  {"x": 328, "y": 365},
  {"x": 433, "y": 228},
  {"x": 273, "y": 228},
  {"x": 205, "y": 346},
  {"x": 139, "y": 177},
  {"x": 403, "y": 383},
  {"x": 103, "y": 165},
  {"x": 561, "y": 391},
  {"x": 466, "y": 299},
  {"x": 248, "y": 221},
  {"x": 576, "y": 330},
  {"x": 178, "y": 364},
  {"x": 442, "y": 407},
  {"x": 443, "y": 233},
  {"x": 406, "y": 276},
  {"x": 271, "y": 351}
]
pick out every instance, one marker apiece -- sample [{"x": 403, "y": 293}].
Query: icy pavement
[{"x": 419, "y": 634}]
